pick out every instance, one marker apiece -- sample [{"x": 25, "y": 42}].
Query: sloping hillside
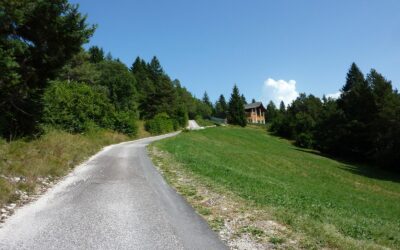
[{"x": 333, "y": 204}]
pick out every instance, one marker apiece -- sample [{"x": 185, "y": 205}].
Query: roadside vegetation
[
  {"x": 60, "y": 103},
  {"x": 331, "y": 203},
  {"x": 204, "y": 122},
  {"x": 26, "y": 164},
  {"x": 49, "y": 79}
]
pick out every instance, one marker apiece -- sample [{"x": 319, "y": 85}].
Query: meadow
[{"x": 332, "y": 203}]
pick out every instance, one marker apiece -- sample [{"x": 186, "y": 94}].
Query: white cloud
[
  {"x": 334, "y": 95},
  {"x": 280, "y": 90}
]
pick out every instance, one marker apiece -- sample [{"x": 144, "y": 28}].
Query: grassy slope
[
  {"x": 52, "y": 155},
  {"x": 320, "y": 197},
  {"x": 204, "y": 122}
]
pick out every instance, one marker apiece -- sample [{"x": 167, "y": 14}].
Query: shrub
[
  {"x": 203, "y": 122},
  {"x": 160, "y": 124},
  {"x": 76, "y": 107},
  {"x": 181, "y": 118},
  {"x": 304, "y": 140},
  {"x": 125, "y": 122}
]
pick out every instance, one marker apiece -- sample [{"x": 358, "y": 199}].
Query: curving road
[
  {"x": 116, "y": 200},
  {"x": 192, "y": 125}
]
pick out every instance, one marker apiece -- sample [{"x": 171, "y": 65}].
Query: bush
[
  {"x": 203, "y": 122},
  {"x": 160, "y": 124},
  {"x": 76, "y": 107},
  {"x": 125, "y": 122},
  {"x": 304, "y": 140},
  {"x": 181, "y": 118}
]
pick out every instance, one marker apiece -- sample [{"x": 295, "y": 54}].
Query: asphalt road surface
[
  {"x": 193, "y": 125},
  {"x": 117, "y": 200}
]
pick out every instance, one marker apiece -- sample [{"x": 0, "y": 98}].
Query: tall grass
[
  {"x": 50, "y": 156},
  {"x": 333, "y": 204}
]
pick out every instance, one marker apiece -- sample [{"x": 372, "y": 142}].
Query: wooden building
[{"x": 255, "y": 112}]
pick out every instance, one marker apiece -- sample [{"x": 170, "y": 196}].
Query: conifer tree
[
  {"x": 243, "y": 99},
  {"x": 384, "y": 128},
  {"x": 358, "y": 107},
  {"x": 237, "y": 114},
  {"x": 221, "y": 107},
  {"x": 354, "y": 77},
  {"x": 282, "y": 107},
  {"x": 206, "y": 100},
  {"x": 96, "y": 54},
  {"x": 271, "y": 112},
  {"x": 37, "y": 39}
]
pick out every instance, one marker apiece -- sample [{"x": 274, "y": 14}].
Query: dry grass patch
[{"x": 29, "y": 167}]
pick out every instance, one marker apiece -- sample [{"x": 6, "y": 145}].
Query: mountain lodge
[{"x": 255, "y": 112}]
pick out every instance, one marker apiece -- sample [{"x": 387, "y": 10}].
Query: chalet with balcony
[{"x": 255, "y": 112}]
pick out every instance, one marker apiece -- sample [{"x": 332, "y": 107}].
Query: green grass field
[{"x": 332, "y": 204}]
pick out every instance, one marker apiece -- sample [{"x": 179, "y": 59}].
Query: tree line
[
  {"x": 233, "y": 110},
  {"x": 362, "y": 124},
  {"x": 48, "y": 79}
]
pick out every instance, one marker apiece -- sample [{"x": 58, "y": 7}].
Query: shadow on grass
[{"x": 355, "y": 167}]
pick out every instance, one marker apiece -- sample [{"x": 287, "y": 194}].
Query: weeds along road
[{"x": 116, "y": 200}]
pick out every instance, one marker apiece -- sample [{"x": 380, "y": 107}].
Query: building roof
[{"x": 253, "y": 105}]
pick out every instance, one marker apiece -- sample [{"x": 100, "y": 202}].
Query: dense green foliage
[
  {"x": 111, "y": 78},
  {"x": 334, "y": 205},
  {"x": 204, "y": 122},
  {"x": 36, "y": 39},
  {"x": 363, "y": 123},
  {"x": 271, "y": 112},
  {"x": 41, "y": 45},
  {"x": 76, "y": 107},
  {"x": 221, "y": 107},
  {"x": 158, "y": 94},
  {"x": 120, "y": 84},
  {"x": 96, "y": 54},
  {"x": 207, "y": 102},
  {"x": 160, "y": 124},
  {"x": 236, "y": 114}
]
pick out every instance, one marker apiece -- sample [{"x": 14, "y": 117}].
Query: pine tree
[
  {"x": 237, "y": 114},
  {"x": 271, "y": 112},
  {"x": 358, "y": 108},
  {"x": 37, "y": 39},
  {"x": 221, "y": 107},
  {"x": 282, "y": 107},
  {"x": 155, "y": 68},
  {"x": 384, "y": 128},
  {"x": 96, "y": 54},
  {"x": 243, "y": 99},
  {"x": 206, "y": 100},
  {"x": 354, "y": 77}
]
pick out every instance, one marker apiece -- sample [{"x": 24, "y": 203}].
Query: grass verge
[
  {"x": 239, "y": 223},
  {"x": 27, "y": 165},
  {"x": 325, "y": 203},
  {"x": 204, "y": 122}
]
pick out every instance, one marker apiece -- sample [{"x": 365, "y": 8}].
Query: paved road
[
  {"x": 193, "y": 125},
  {"x": 117, "y": 200}
]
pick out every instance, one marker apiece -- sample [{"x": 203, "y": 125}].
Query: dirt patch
[{"x": 239, "y": 223}]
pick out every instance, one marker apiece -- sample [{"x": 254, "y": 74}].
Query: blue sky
[{"x": 270, "y": 49}]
